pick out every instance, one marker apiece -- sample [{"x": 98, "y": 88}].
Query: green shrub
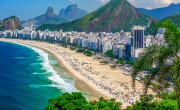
[
  {"x": 120, "y": 62},
  {"x": 129, "y": 62},
  {"x": 109, "y": 53},
  {"x": 80, "y": 50},
  {"x": 122, "y": 59},
  {"x": 105, "y": 62},
  {"x": 76, "y": 101},
  {"x": 88, "y": 53},
  {"x": 149, "y": 104},
  {"x": 113, "y": 66}
]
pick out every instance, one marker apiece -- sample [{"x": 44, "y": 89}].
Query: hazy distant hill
[
  {"x": 115, "y": 16},
  {"x": 161, "y": 13},
  {"x": 10, "y": 23},
  {"x": 72, "y": 12},
  {"x": 175, "y": 18},
  {"x": 48, "y": 17}
]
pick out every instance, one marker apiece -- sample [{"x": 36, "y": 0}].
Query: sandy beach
[{"x": 101, "y": 79}]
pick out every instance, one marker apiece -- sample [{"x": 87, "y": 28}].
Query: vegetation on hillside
[
  {"x": 115, "y": 16},
  {"x": 48, "y": 18},
  {"x": 151, "y": 28},
  {"x": 10, "y": 23},
  {"x": 43, "y": 19},
  {"x": 174, "y": 18},
  {"x": 160, "y": 13}
]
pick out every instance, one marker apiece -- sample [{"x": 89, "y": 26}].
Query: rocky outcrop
[
  {"x": 72, "y": 12},
  {"x": 114, "y": 16},
  {"x": 94, "y": 22},
  {"x": 50, "y": 13},
  {"x": 48, "y": 17},
  {"x": 10, "y": 23}
]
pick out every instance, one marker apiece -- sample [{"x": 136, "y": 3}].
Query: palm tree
[{"x": 166, "y": 57}]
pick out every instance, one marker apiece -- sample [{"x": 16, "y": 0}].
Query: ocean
[{"x": 29, "y": 77}]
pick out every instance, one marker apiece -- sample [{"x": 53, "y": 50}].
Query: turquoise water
[{"x": 28, "y": 79}]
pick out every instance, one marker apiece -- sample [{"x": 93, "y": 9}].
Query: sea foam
[{"x": 54, "y": 77}]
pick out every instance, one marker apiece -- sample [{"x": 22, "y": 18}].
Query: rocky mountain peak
[
  {"x": 172, "y": 4},
  {"x": 114, "y": 16},
  {"x": 72, "y": 12},
  {"x": 10, "y": 23},
  {"x": 50, "y": 12},
  {"x": 74, "y": 6},
  {"x": 48, "y": 18}
]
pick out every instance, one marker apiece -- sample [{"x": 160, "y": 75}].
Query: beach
[{"x": 91, "y": 75}]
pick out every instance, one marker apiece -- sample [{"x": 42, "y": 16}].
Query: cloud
[
  {"x": 104, "y": 1},
  {"x": 166, "y": 2},
  {"x": 150, "y": 4},
  {"x": 131, "y": 1},
  {"x": 149, "y": 8},
  {"x": 73, "y": 1}
]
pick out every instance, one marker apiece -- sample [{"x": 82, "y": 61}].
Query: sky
[{"x": 26, "y": 9}]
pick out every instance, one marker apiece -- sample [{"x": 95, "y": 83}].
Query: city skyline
[{"x": 90, "y": 54}]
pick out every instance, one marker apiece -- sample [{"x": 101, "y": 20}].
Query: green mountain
[
  {"x": 163, "y": 12},
  {"x": 115, "y": 16},
  {"x": 72, "y": 12},
  {"x": 48, "y": 17},
  {"x": 10, "y": 23},
  {"x": 174, "y": 18}
]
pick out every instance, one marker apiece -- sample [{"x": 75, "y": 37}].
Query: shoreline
[
  {"x": 95, "y": 82},
  {"x": 79, "y": 84}
]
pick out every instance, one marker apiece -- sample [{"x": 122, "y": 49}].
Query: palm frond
[
  {"x": 148, "y": 58},
  {"x": 171, "y": 35}
]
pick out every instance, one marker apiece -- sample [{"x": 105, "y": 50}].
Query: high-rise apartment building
[{"x": 137, "y": 33}]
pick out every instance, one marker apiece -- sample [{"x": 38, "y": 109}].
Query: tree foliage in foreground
[
  {"x": 149, "y": 104},
  {"x": 161, "y": 55},
  {"x": 76, "y": 101}
]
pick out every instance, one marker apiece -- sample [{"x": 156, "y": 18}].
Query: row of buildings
[{"x": 124, "y": 44}]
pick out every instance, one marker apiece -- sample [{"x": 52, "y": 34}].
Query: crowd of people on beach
[{"x": 118, "y": 89}]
